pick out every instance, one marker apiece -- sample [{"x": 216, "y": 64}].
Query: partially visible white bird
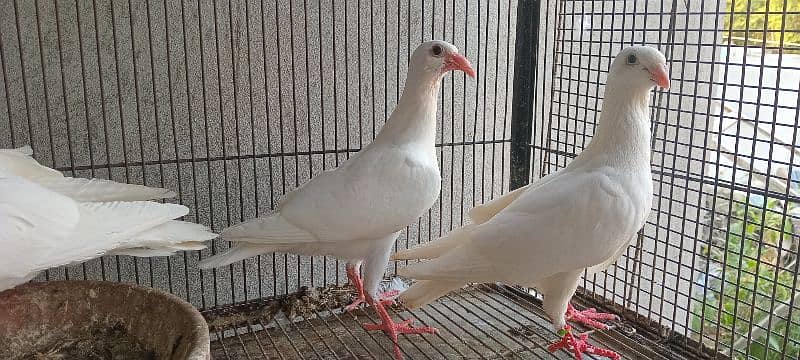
[
  {"x": 545, "y": 234},
  {"x": 356, "y": 211},
  {"x": 49, "y": 220}
]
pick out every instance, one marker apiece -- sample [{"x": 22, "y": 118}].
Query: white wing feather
[
  {"x": 102, "y": 190},
  {"x": 499, "y": 250},
  {"x": 19, "y": 162},
  {"x": 27, "y": 224},
  {"x": 48, "y": 220}
]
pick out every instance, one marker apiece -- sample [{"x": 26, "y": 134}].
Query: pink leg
[
  {"x": 392, "y": 328},
  {"x": 352, "y": 273},
  {"x": 579, "y": 345},
  {"x": 589, "y": 317},
  {"x": 355, "y": 279}
]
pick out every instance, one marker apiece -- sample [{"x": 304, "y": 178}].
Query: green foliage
[
  {"x": 753, "y": 15},
  {"x": 751, "y": 262}
]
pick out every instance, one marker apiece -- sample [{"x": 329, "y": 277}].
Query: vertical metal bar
[
  {"x": 170, "y": 98},
  {"x": 525, "y": 69},
  {"x": 223, "y": 145},
  {"x": 737, "y": 270},
  {"x": 764, "y": 209},
  {"x": 505, "y": 94},
  {"x": 322, "y": 118},
  {"x": 269, "y": 134},
  {"x": 336, "y": 108},
  {"x": 234, "y": 71},
  {"x": 479, "y": 69},
  {"x": 253, "y": 140},
  {"x": 208, "y": 152},
  {"x": 293, "y": 68},
  {"x": 308, "y": 116},
  {"x": 703, "y": 165},
  {"x": 191, "y": 149},
  {"x": 4, "y": 72},
  {"x": 138, "y": 115}
]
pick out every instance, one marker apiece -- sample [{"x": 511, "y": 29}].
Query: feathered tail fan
[
  {"x": 167, "y": 239},
  {"x": 259, "y": 236}
]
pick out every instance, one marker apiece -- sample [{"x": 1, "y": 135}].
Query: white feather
[
  {"x": 102, "y": 190},
  {"x": 356, "y": 211},
  {"x": 47, "y": 220},
  {"x": 581, "y": 217},
  {"x": 19, "y": 162}
]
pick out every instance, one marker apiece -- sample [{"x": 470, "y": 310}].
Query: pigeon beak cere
[
  {"x": 660, "y": 75},
  {"x": 458, "y": 62}
]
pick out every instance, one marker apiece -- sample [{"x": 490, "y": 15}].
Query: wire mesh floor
[{"x": 478, "y": 322}]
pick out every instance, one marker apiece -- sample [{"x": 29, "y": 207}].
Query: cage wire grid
[
  {"x": 712, "y": 264},
  {"x": 225, "y": 101}
]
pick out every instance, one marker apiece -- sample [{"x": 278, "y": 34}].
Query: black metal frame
[{"x": 525, "y": 81}]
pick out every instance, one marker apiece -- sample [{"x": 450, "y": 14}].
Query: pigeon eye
[
  {"x": 436, "y": 50},
  {"x": 632, "y": 59}
]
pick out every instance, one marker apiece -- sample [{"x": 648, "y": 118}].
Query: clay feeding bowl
[{"x": 99, "y": 320}]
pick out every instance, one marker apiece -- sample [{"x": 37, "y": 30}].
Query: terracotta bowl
[{"x": 63, "y": 317}]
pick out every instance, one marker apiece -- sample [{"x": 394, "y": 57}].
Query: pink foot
[
  {"x": 386, "y": 298},
  {"x": 394, "y": 329},
  {"x": 578, "y": 345},
  {"x": 589, "y": 317}
]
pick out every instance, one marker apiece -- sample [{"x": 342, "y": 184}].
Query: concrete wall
[{"x": 234, "y": 104}]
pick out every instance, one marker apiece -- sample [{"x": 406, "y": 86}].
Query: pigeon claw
[
  {"x": 579, "y": 346},
  {"x": 386, "y": 298},
  {"x": 394, "y": 329},
  {"x": 589, "y": 317}
]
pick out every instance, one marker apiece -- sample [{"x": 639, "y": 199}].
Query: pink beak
[
  {"x": 458, "y": 62},
  {"x": 660, "y": 75}
]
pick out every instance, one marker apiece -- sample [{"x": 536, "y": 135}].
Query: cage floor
[{"x": 478, "y": 322}]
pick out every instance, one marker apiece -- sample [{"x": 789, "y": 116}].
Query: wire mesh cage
[
  {"x": 235, "y": 103},
  {"x": 716, "y": 261}
]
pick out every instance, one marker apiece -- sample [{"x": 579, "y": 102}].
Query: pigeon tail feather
[
  {"x": 273, "y": 229},
  {"x": 236, "y": 253},
  {"x": 166, "y": 239},
  {"x": 436, "y": 248},
  {"x": 25, "y": 150},
  {"x": 426, "y": 291}
]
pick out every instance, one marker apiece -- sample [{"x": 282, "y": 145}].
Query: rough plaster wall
[
  {"x": 234, "y": 104},
  {"x": 655, "y": 281}
]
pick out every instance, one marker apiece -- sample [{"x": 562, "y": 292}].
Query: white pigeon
[
  {"x": 49, "y": 220},
  {"x": 544, "y": 235},
  {"x": 356, "y": 211}
]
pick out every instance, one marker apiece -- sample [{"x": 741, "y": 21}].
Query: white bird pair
[{"x": 543, "y": 235}]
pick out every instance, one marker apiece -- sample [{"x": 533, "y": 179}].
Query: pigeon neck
[
  {"x": 623, "y": 131},
  {"x": 414, "y": 118}
]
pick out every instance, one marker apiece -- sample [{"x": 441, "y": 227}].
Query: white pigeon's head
[
  {"x": 640, "y": 68},
  {"x": 435, "y": 58}
]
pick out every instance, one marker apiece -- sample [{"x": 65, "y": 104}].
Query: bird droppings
[
  {"x": 529, "y": 331},
  {"x": 309, "y": 301},
  {"x": 101, "y": 342},
  {"x": 306, "y": 302}
]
